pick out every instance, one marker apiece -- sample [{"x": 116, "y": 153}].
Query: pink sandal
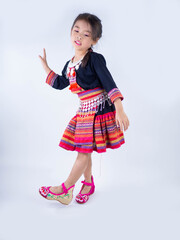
[
  {"x": 83, "y": 198},
  {"x": 65, "y": 197}
]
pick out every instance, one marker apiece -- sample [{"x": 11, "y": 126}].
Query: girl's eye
[{"x": 84, "y": 34}]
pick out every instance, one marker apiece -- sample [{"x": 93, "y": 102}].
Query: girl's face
[{"x": 81, "y": 36}]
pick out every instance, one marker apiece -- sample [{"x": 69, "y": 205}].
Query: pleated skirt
[{"x": 106, "y": 134}]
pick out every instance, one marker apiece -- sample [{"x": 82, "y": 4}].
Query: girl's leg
[
  {"x": 88, "y": 170},
  {"x": 87, "y": 176},
  {"x": 78, "y": 169}
]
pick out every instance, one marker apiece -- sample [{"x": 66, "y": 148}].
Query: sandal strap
[
  {"x": 86, "y": 183},
  {"x": 64, "y": 188}
]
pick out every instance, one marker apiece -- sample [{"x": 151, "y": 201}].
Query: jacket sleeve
[
  {"x": 58, "y": 81},
  {"x": 105, "y": 78}
]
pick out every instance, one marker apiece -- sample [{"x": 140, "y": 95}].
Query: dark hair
[{"x": 96, "y": 27}]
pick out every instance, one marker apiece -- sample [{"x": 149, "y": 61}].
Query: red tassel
[{"x": 74, "y": 86}]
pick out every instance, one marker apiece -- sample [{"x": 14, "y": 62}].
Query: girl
[{"x": 100, "y": 118}]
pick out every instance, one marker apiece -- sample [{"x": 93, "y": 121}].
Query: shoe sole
[{"x": 63, "y": 198}]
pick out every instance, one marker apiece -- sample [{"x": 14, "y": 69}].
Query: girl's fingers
[
  {"x": 126, "y": 126},
  {"x": 122, "y": 124},
  {"x": 119, "y": 125},
  {"x": 127, "y": 123},
  {"x": 42, "y": 59},
  {"x": 44, "y": 53}
]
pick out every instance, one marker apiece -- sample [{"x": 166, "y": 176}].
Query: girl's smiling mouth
[{"x": 78, "y": 43}]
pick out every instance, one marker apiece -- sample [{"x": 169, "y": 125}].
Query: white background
[{"x": 137, "y": 186}]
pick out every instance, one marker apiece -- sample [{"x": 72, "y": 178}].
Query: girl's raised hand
[{"x": 44, "y": 61}]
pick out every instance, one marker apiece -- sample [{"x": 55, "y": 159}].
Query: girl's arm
[
  {"x": 58, "y": 81},
  {"x": 105, "y": 77},
  {"x": 121, "y": 118},
  {"x": 53, "y": 79},
  {"x": 48, "y": 70},
  {"x": 118, "y": 105},
  {"x": 111, "y": 88}
]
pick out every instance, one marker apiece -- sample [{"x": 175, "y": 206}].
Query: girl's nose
[{"x": 80, "y": 35}]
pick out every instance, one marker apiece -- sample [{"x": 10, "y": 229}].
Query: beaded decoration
[{"x": 89, "y": 106}]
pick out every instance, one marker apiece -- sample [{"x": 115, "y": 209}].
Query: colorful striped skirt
[{"x": 93, "y": 128}]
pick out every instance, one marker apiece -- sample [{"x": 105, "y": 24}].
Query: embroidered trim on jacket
[
  {"x": 115, "y": 93},
  {"x": 51, "y": 78}
]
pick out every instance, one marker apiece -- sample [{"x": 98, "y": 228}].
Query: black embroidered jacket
[{"x": 94, "y": 74}]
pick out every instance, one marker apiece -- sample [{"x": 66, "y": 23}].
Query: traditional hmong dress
[{"x": 93, "y": 128}]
